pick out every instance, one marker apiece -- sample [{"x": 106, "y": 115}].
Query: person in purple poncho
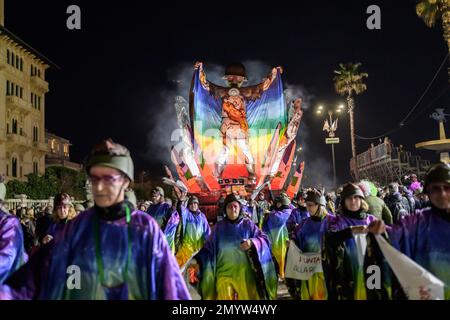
[
  {"x": 12, "y": 251},
  {"x": 63, "y": 212},
  {"x": 424, "y": 236},
  {"x": 343, "y": 246},
  {"x": 109, "y": 252},
  {"x": 167, "y": 217},
  {"x": 306, "y": 237}
]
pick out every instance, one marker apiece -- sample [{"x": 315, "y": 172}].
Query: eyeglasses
[
  {"x": 439, "y": 189},
  {"x": 107, "y": 180}
]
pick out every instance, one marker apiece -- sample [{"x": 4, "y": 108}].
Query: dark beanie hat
[
  {"x": 349, "y": 190},
  {"x": 439, "y": 173},
  {"x": 316, "y": 197},
  {"x": 230, "y": 198}
]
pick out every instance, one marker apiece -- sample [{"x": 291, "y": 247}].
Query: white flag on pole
[{"x": 417, "y": 283}]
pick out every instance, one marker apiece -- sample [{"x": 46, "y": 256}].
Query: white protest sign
[
  {"x": 301, "y": 265},
  {"x": 417, "y": 283}
]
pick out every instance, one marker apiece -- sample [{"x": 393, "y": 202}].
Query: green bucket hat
[{"x": 111, "y": 155}]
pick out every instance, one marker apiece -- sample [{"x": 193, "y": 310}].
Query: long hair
[
  {"x": 322, "y": 211},
  {"x": 364, "y": 206},
  {"x": 72, "y": 214}
]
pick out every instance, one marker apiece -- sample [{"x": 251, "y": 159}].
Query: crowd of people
[
  {"x": 39, "y": 223},
  {"x": 166, "y": 248}
]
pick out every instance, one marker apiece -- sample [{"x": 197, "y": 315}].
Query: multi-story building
[
  {"x": 58, "y": 153},
  {"x": 23, "y": 87}
]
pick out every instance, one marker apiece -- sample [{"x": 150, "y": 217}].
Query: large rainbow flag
[{"x": 263, "y": 113}]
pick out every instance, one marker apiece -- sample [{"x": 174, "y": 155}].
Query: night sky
[{"x": 116, "y": 74}]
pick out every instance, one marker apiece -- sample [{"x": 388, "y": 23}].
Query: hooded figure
[
  {"x": 12, "y": 251},
  {"x": 275, "y": 227},
  {"x": 194, "y": 230},
  {"x": 298, "y": 214},
  {"x": 235, "y": 262},
  {"x": 307, "y": 236},
  {"x": 166, "y": 217},
  {"x": 120, "y": 252}
]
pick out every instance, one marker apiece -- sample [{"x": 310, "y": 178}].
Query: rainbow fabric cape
[
  {"x": 297, "y": 215},
  {"x": 307, "y": 236},
  {"x": 421, "y": 238},
  {"x": 119, "y": 261},
  {"x": 167, "y": 219},
  {"x": 193, "y": 234},
  {"x": 12, "y": 251},
  {"x": 275, "y": 227},
  {"x": 229, "y": 273}
]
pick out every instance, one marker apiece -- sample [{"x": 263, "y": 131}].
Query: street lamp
[{"x": 331, "y": 128}]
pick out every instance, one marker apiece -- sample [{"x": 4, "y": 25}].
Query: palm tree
[
  {"x": 349, "y": 81},
  {"x": 430, "y": 11}
]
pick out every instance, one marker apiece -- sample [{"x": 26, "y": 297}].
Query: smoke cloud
[{"x": 318, "y": 171}]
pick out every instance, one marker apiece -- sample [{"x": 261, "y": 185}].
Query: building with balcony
[
  {"x": 58, "y": 154},
  {"x": 23, "y": 144}
]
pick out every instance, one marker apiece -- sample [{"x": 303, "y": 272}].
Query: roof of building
[
  {"x": 54, "y": 136},
  {"x": 5, "y": 31}
]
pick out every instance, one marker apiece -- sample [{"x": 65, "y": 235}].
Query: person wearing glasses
[
  {"x": 109, "y": 252},
  {"x": 63, "y": 212},
  {"x": 424, "y": 236}
]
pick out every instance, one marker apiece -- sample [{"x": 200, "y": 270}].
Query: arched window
[
  {"x": 35, "y": 167},
  {"x": 35, "y": 134},
  {"x": 14, "y": 167},
  {"x": 14, "y": 126}
]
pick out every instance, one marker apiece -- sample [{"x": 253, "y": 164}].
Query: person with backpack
[{"x": 394, "y": 201}]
